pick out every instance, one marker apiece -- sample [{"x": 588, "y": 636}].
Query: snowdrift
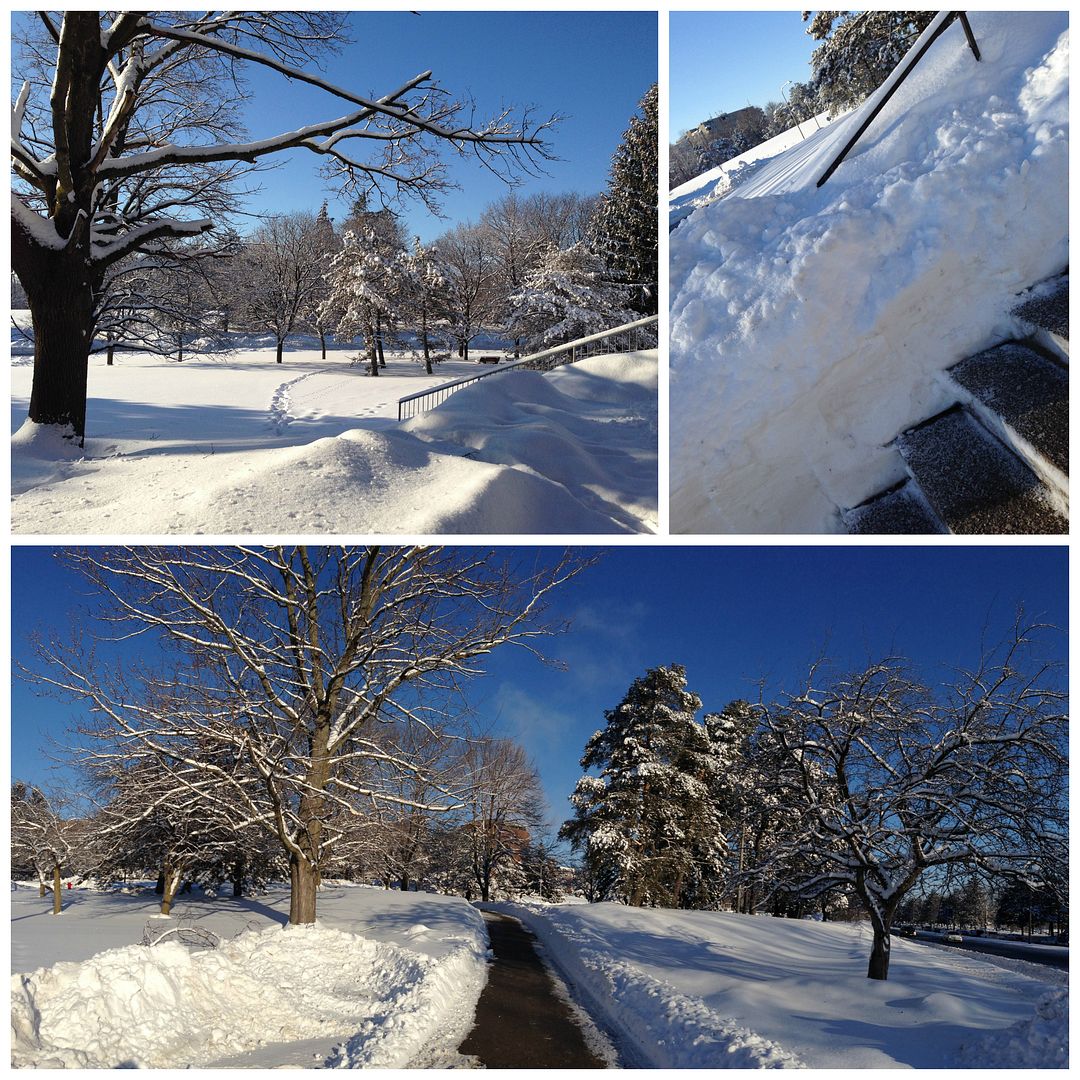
[
  {"x": 571, "y": 451},
  {"x": 681, "y": 989},
  {"x": 365, "y": 1002},
  {"x": 810, "y": 325}
]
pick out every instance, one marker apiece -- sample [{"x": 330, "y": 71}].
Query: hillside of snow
[
  {"x": 704, "y": 989},
  {"x": 384, "y": 979},
  {"x": 245, "y": 445},
  {"x": 715, "y": 183},
  {"x": 809, "y": 326}
]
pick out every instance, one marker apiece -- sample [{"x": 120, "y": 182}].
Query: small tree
[
  {"x": 422, "y": 294},
  {"x": 891, "y": 780},
  {"x": 40, "y": 835}
]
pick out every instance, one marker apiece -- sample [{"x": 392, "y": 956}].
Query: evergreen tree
[
  {"x": 422, "y": 296},
  {"x": 646, "y": 823},
  {"x": 858, "y": 50},
  {"x": 567, "y": 297},
  {"x": 625, "y": 225}
]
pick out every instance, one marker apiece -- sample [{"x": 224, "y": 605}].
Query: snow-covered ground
[
  {"x": 245, "y": 445},
  {"x": 385, "y": 979},
  {"x": 809, "y": 326},
  {"x": 681, "y": 989},
  {"x": 715, "y": 183}
]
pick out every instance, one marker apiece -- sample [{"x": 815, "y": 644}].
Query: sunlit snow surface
[
  {"x": 385, "y": 979},
  {"x": 809, "y": 326},
  {"x": 701, "y": 989},
  {"x": 245, "y": 445}
]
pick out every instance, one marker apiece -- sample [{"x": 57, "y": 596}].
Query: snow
[
  {"x": 715, "y": 183},
  {"x": 809, "y": 326},
  {"x": 384, "y": 979},
  {"x": 246, "y": 445},
  {"x": 682, "y": 989}
]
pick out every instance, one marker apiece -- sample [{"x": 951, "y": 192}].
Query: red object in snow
[{"x": 69, "y": 884}]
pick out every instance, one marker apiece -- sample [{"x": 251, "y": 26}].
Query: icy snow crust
[
  {"x": 250, "y": 446},
  {"x": 388, "y": 991},
  {"x": 679, "y": 989},
  {"x": 810, "y": 326}
]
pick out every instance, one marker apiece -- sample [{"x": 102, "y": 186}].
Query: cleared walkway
[{"x": 520, "y": 1022}]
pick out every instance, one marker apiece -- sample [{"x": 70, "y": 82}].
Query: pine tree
[
  {"x": 365, "y": 281},
  {"x": 646, "y": 823},
  {"x": 625, "y": 225},
  {"x": 567, "y": 297},
  {"x": 858, "y": 51}
]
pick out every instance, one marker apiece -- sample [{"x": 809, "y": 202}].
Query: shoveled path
[{"x": 520, "y": 1023}]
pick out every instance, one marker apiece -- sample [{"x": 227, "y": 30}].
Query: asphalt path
[
  {"x": 520, "y": 1022},
  {"x": 1015, "y": 950}
]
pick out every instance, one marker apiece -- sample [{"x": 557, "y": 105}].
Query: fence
[{"x": 626, "y": 338}]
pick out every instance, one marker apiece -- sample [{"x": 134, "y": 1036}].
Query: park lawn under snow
[
  {"x": 384, "y": 979},
  {"x": 809, "y": 326},
  {"x": 699, "y": 989},
  {"x": 245, "y": 445}
]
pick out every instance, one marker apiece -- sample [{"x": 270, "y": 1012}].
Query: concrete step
[
  {"x": 901, "y": 510},
  {"x": 973, "y": 482},
  {"x": 1047, "y": 311},
  {"x": 1023, "y": 398}
]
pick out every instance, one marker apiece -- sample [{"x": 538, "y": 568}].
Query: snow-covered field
[
  {"x": 681, "y": 989},
  {"x": 809, "y": 326},
  {"x": 245, "y": 445},
  {"x": 385, "y": 979}
]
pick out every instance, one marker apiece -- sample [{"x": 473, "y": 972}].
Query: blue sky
[
  {"x": 540, "y": 59},
  {"x": 591, "y": 67},
  {"x": 730, "y": 615},
  {"x": 723, "y": 60}
]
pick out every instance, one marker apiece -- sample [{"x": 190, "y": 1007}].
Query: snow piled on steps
[
  {"x": 369, "y": 1003},
  {"x": 810, "y": 325}
]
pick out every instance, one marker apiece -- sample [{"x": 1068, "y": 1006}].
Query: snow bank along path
[
  {"x": 704, "y": 989},
  {"x": 358, "y": 998},
  {"x": 571, "y": 451},
  {"x": 810, "y": 326}
]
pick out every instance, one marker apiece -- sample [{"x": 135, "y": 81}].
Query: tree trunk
[
  {"x": 61, "y": 308},
  {"x": 379, "y": 341},
  {"x": 427, "y": 347},
  {"x": 238, "y": 878},
  {"x": 179, "y": 348},
  {"x": 465, "y": 352},
  {"x": 159, "y": 887},
  {"x": 373, "y": 356},
  {"x": 322, "y": 342},
  {"x": 879, "y": 954},
  {"x": 57, "y": 897},
  {"x": 109, "y": 353},
  {"x": 172, "y": 881},
  {"x": 302, "y": 891},
  {"x": 279, "y": 346}
]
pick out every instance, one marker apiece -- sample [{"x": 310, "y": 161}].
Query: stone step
[
  {"x": 1024, "y": 399},
  {"x": 1049, "y": 308},
  {"x": 901, "y": 510},
  {"x": 973, "y": 482}
]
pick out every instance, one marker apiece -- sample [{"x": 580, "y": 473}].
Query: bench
[{"x": 488, "y": 359}]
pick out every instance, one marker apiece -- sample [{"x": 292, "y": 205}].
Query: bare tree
[
  {"x": 472, "y": 284},
  {"x": 504, "y": 806},
  {"x": 892, "y": 780},
  {"x": 304, "y": 665},
  {"x": 126, "y": 139},
  {"x": 284, "y": 263},
  {"x": 41, "y": 836}
]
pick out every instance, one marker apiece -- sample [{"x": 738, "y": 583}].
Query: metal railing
[
  {"x": 944, "y": 20},
  {"x": 630, "y": 336}
]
